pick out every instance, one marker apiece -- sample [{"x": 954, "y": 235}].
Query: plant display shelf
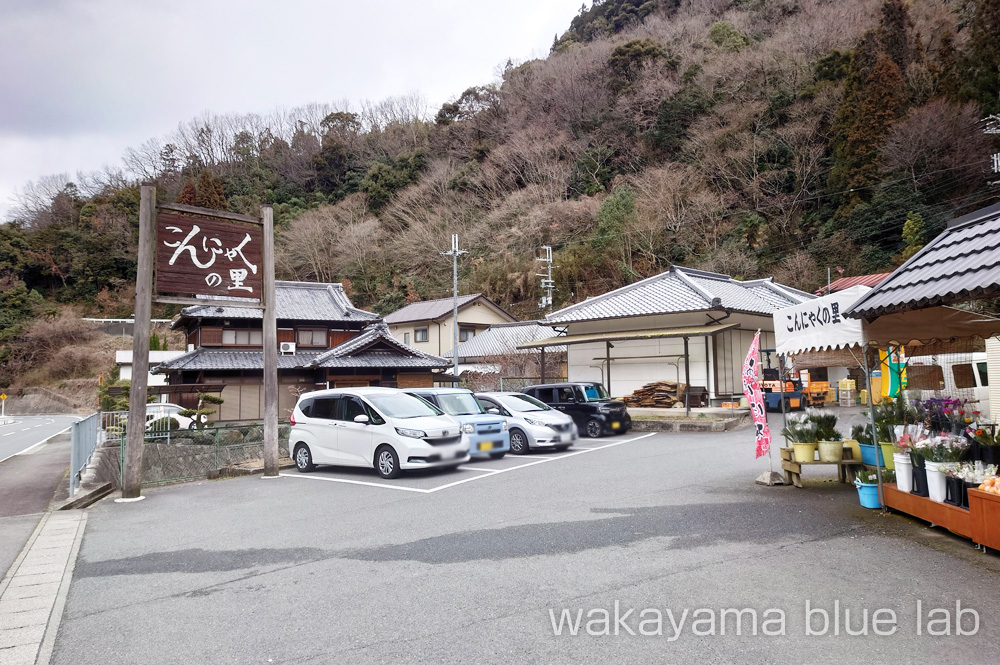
[
  {"x": 984, "y": 509},
  {"x": 955, "y": 519},
  {"x": 793, "y": 470}
]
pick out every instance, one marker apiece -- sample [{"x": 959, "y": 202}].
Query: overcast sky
[{"x": 84, "y": 79}]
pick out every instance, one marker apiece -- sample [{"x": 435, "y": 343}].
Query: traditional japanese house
[{"x": 323, "y": 341}]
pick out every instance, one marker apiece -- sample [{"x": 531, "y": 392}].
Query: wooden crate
[
  {"x": 955, "y": 519},
  {"x": 984, "y": 509}
]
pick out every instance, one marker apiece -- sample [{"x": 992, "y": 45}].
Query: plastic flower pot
[
  {"x": 804, "y": 452},
  {"x": 871, "y": 453},
  {"x": 867, "y": 494},
  {"x": 831, "y": 451},
  {"x": 955, "y": 492},
  {"x": 855, "y": 448},
  {"x": 965, "y": 494},
  {"x": 887, "y": 455},
  {"x": 904, "y": 471},
  {"x": 936, "y": 488},
  {"x": 989, "y": 454}
]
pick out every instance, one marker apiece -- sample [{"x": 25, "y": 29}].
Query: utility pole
[
  {"x": 454, "y": 254},
  {"x": 547, "y": 284}
]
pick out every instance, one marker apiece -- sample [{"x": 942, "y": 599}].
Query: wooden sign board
[{"x": 208, "y": 257}]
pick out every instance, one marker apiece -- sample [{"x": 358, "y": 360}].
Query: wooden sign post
[{"x": 201, "y": 257}]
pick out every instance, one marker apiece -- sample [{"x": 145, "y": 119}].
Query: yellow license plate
[
  {"x": 486, "y": 445},
  {"x": 615, "y": 425}
]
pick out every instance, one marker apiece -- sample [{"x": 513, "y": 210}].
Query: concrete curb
[{"x": 688, "y": 425}]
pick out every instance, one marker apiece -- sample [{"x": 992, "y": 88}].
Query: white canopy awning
[{"x": 818, "y": 325}]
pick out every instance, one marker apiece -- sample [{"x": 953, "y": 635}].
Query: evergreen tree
[
  {"x": 980, "y": 63},
  {"x": 188, "y": 195},
  {"x": 210, "y": 192}
]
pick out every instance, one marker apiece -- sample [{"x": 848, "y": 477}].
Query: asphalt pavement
[
  {"x": 312, "y": 569},
  {"x": 28, "y": 431}
]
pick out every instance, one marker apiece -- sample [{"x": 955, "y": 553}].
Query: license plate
[
  {"x": 486, "y": 445},
  {"x": 615, "y": 425}
]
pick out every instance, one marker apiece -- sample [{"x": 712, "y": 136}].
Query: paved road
[
  {"x": 34, "y": 459},
  {"x": 27, "y": 431},
  {"x": 296, "y": 570}
]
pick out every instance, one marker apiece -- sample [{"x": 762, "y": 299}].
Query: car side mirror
[
  {"x": 494, "y": 411},
  {"x": 361, "y": 418}
]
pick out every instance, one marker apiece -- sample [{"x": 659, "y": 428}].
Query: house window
[
  {"x": 465, "y": 334},
  {"x": 406, "y": 338},
  {"x": 313, "y": 338},
  {"x": 242, "y": 337},
  {"x": 420, "y": 334}
]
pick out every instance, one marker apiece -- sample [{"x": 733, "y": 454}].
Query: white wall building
[{"x": 638, "y": 333}]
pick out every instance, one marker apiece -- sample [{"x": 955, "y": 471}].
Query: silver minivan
[
  {"x": 532, "y": 423},
  {"x": 380, "y": 428}
]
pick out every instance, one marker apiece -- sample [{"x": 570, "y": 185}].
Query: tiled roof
[
  {"x": 504, "y": 338},
  {"x": 962, "y": 263},
  {"x": 431, "y": 310},
  {"x": 683, "y": 290},
  {"x": 219, "y": 359},
  {"x": 845, "y": 283},
  {"x": 376, "y": 347},
  {"x": 310, "y": 301}
]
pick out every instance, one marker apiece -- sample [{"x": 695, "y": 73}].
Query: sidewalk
[{"x": 33, "y": 593}]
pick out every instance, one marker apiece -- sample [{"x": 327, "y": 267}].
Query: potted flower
[
  {"x": 801, "y": 433},
  {"x": 829, "y": 439},
  {"x": 870, "y": 453},
  {"x": 960, "y": 476},
  {"x": 866, "y": 480},
  {"x": 986, "y": 444},
  {"x": 903, "y": 464},
  {"x": 935, "y": 452}
]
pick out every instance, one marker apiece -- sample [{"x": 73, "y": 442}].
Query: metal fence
[
  {"x": 159, "y": 425},
  {"x": 85, "y": 440}
]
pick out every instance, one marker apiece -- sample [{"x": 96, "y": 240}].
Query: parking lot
[
  {"x": 475, "y": 470},
  {"x": 340, "y": 566}
]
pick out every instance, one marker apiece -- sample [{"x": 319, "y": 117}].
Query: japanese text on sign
[
  {"x": 207, "y": 256},
  {"x": 822, "y": 315}
]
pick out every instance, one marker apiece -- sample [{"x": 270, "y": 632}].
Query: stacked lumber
[{"x": 659, "y": 394}]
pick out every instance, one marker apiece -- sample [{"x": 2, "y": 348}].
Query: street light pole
[{"x": 454, "y": 254}]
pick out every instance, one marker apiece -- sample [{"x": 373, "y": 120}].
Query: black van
[{"x": 587, "y": 403}]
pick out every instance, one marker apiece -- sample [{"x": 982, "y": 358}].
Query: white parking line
[
  {"x": 485, "y": 473},
  {"x": 354, "y": 482},
  {"x": 9, "y": 433},
  {"x": 477, "y": 468}
]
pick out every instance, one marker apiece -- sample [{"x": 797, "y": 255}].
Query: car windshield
[
  {"x": 459, "y": 404},
  {"x": 595, "y": 392},
  {"x": 524, "y": 403},
  {"x": 401, "y": 405}
]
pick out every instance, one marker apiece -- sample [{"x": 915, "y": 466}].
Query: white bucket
[
  {"x": 904, "y": 471},
  {"x": 936, "y": 486}
]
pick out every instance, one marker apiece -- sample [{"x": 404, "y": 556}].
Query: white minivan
[{"x": 380, "y": 428}]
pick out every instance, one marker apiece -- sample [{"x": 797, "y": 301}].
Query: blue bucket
[
  {"x": 869, "y": 453},
  {"x": 868, "y": 495}
]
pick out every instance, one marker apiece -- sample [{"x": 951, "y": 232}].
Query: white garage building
[{"x": 683, "y": 325}]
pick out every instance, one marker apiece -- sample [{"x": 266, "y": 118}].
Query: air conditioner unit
[{"x": 287, "y": 348}]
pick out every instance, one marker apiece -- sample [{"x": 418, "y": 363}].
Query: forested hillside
[{"x": 752, "y": 137}]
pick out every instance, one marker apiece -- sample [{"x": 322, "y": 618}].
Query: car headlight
[
  {"x": 412, "y": 433},
  {"x": 604, "y": 409},
  {"x": 536, "y": 423},
  {"x": 504, "y": 426},
  {"x": 469, "y": 428}
]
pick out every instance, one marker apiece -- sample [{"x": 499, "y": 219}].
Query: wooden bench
[{"x": 846, "y": 468}]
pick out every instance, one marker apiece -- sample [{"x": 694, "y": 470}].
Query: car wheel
[
  {"x": 303, "y": 458},
  {"x": 192, "y": 425},
  {"x": 518, "y": 442},
  {"x": 497, "y": 455},
  {"x": 594, "y": 428},
  {"x": 387, "y": 462}
]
